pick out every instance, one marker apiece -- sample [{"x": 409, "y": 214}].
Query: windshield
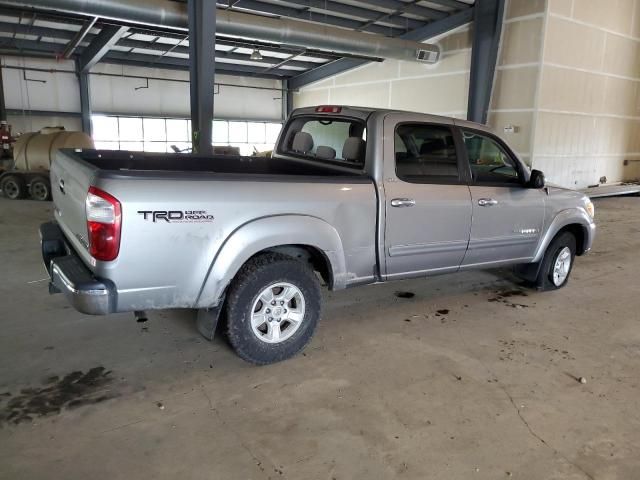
[{"x": 340, "y": 141}]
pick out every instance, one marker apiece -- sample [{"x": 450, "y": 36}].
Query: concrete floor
[{"x": 389, "y": 388}]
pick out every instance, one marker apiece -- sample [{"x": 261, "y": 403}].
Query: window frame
[
  {"x": 522, "y": 176},
  {"x": 434, "y": 179}
]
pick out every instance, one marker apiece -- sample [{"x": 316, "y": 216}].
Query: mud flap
[
  {"x": 527, "y": 271},
  {"x": 207, "y": 321}
]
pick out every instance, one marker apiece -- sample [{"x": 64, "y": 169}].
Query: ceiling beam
[
  {"x": 315, "y": 17},
  {"x": 100, "y": 45},
  {"x": 418, "y": 10},
  {"x": 430, "y": 30},
  {"x": 360, "y": 12},
  {"x": 68, "y": 35},
  {"x": 164, "y": 47},
  {"x": 77, "y": 39},
  {"x": 174, "y": 63},
  {"x": 455, "y": 4}
]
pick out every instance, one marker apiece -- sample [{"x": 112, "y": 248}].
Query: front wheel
[
  {"x": 273, "y": 307},
  {"x": 557, "y": 262}
]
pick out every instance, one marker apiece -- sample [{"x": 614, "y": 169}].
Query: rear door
[
  {"x": 507, "y": 215},
  {"x": 427, "y": 200},
  {"x": 70, "y": 181}
]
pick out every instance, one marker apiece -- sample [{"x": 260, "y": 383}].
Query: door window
[
  {"x": 488, "y": 161},
  {"x": 425, "y": 154}
]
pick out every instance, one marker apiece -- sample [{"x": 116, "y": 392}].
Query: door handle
[
  {"x": 487, "y": 202},
  {"x": 61, "y": 185},
  {"x": 403, "y": 202}
]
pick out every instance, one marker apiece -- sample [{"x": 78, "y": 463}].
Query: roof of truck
[{"x": 364, "y": 112}]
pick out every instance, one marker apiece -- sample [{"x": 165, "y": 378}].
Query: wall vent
[{"x": 427, "y": 56}]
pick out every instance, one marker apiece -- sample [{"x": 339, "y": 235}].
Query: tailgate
[{"x": 70, "y": 181}]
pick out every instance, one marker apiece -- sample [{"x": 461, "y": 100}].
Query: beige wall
[
  {"x": 567, "y": 80},
  {"x": 515, "y": 88},
  {"x": 439, "y": 89},
  {"x": 588, "y": 113}
]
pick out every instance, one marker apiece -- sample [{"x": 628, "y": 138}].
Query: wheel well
[
  {"x": 307, "y": 254},
  {"x": 578, "y": 231}
]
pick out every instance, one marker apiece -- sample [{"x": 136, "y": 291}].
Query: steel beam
[
  {"x": 85, "y": 98},
  {"x": 455, "y": 4},
  {"x": 430, "y": 30},
  {"x": 487, "y": 28},
  {"x": 100, "y": 45},
  {"x": 353, "y": 11},
  {"x": 151, "y": 61},
  {"x": 317, "y": 17},
  {"x": 202, "y": 41},
  {"x": 413, "y": 8},
  {"x": 77, "y": 39}
]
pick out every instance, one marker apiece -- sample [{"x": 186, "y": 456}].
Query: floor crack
[
  {"x": 255, "y": 458},
  {"x": 521, "y": 417}
]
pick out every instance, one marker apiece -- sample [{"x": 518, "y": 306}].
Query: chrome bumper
[{"x": 70, "y": 276}]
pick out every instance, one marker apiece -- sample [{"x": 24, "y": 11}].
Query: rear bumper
[{"x": 69, "y": 275}]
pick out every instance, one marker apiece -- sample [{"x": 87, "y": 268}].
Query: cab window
[
  {"x": 489, "y": 162},
  {"x": 339, "y": 141},
  {"x": 425, "y": 153}
]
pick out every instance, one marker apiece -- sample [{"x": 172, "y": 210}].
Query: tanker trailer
[{"x": 32, "y": 156}]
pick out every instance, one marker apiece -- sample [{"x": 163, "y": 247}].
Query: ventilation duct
[{"x": 173, "y": 15}]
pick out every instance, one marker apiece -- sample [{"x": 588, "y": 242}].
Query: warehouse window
[{"x": 163, "y": 134}]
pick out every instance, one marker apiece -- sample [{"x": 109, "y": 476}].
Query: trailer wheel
[
  {"x": 13, "y": 187},
  {"x": 40, "y": 189}
]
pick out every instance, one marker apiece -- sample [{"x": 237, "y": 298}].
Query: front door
[
  {"x": 428, "y": 204},
  {"x": 507, "y": 215}
]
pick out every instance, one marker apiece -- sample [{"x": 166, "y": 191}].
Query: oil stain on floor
[{"x": 71, "y": 391}]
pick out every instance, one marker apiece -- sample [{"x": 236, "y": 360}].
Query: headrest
[
  {"x": 353, "y": 148},
  {"x": 326, "y": 153},
  {"x": 302, "y": 143},
  {"x": 432, "y": 146}
]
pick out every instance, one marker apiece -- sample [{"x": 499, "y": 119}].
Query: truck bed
[{"x": 138, "y": 163}]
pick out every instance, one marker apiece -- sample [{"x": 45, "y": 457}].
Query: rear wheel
[
  {"x": 273, "y": 307},
  {"x": 557, "y": 262},
  {"x": 13, "y": 187},
  {"x": 40, "y": 189}
]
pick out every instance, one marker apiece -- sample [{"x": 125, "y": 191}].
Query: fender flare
[
  {"x": 570, "y": 216},
  {"x": 268, "y": 232}
]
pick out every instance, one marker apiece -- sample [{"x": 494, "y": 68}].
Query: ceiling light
[{"x": 256, "y": 55}]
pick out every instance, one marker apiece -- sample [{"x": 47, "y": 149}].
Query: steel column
[
  {"x": 487, "y": 28},
  {"x": 202, "y": 41},
  {"x": 85, "y": 98},
  {"x": 3, "y": 108}
]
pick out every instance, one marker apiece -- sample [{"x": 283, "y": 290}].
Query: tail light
[{"x": 104, "y": 219}]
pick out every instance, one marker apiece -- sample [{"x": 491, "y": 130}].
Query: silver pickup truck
[{"x": 351, "y": 196}]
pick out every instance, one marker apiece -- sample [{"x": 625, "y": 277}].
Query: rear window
[{"x": 334, "y": 140}]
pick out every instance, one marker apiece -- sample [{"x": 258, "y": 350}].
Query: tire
[
  {"x": 550, "y": 277},
  {"x": 13, "y": 187},
  {"x": 249, "y": 305},
  {"x": 40, "y": 189}
]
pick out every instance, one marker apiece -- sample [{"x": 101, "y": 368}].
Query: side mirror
[{"x": 537, "y": 179}]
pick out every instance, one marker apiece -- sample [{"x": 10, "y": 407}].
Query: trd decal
[{"x": 176, "y": 216}]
